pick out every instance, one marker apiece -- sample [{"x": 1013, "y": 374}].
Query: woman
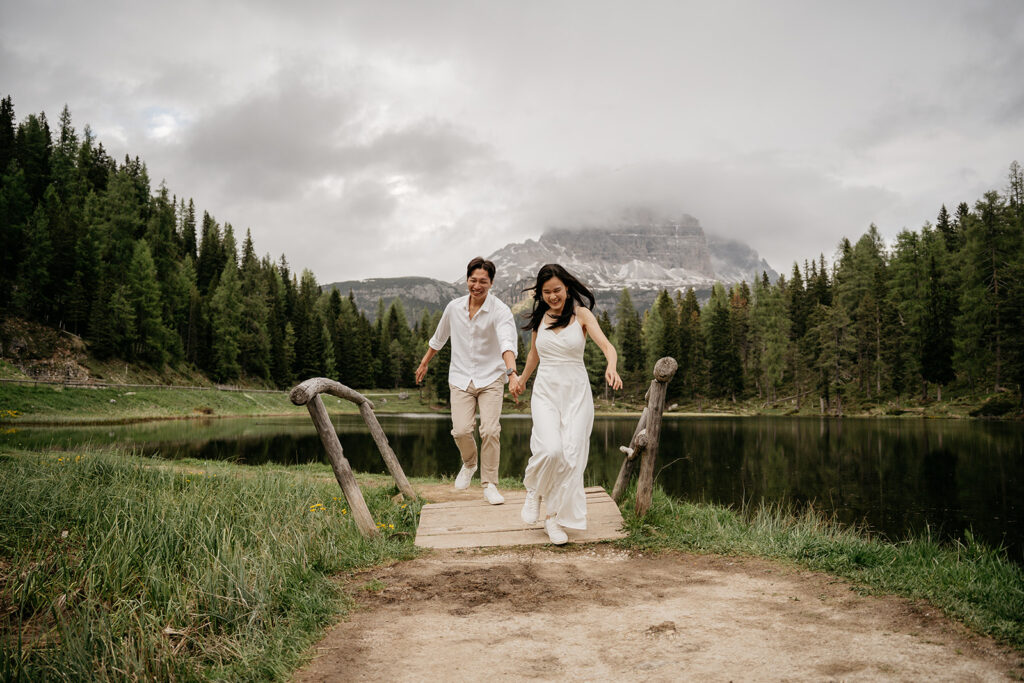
[{"x": 562, "y": 406}]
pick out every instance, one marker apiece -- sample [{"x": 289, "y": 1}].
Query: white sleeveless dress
[{"x": 562, "y": 408}]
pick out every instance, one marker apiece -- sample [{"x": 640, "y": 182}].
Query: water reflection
[{"x": 894, "y": 476}]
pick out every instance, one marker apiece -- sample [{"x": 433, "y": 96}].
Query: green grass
[
  {"x": 81, "y": 405},
  {"x": 973, "y": 583},
  {"x": 117, "y": 567},
  {"x": 114, "y": 566}
]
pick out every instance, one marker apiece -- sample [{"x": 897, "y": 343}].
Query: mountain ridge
[{"x": 639, "y": 252}]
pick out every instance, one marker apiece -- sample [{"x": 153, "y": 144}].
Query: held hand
[
  {"x": 515, "y": 386},
  {"x": 613, "y": 379}
]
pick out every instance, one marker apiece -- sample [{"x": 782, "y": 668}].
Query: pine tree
[
  {"x": 857, "y": 276},
  {"x": 691, "y": 345},
  {"x": 628, "y": 335},
  {"x": 328, "y": 363},
  {"x": 725, "y": 376},
  {"x": 188, "y": 229},
  {"x": 226, "y": 324},
  {"x": 948, "y": 229},
  {"x": 772, "y": 328},
  {"x": 907, "y": 296},
  {"x": 15, "y": 213},
  {"x": 209, "y": 263},
  {"x": 937, "y": 342},
  {"x": 982, "y": 327},
  {"x": 739, "y": 323},
  {"x": 112, "y": 326},
  {"x": 288, "y": 352},
  {"x": 837, "y": 346},
  {"x": 151, "y": 337},
  {"x": 33, "y": 145},
  {"x": 7, "y": 145},
  {"x": 31, "y": 292},
  {"x": 309, "y": 352}
]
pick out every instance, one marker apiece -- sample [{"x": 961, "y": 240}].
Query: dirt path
[{"x": 597, "y": 613}]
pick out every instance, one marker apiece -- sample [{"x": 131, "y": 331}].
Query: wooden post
[
  {"x": 390, "y": 459},
  {"x": 321, "y": 385},
  {"x": 664, "y": 369},
  {"x": 342, "y": 470},
  {"x": 630, "y": 461}
]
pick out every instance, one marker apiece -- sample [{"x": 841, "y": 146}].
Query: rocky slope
[
  {"x": 418, "y": 294},
  {"x": 640, "y": 252}
]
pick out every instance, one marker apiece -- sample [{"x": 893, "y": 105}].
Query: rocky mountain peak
[{"x": 640, "y": 251}]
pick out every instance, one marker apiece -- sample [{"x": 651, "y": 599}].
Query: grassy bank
[
  {"x": 117, "y": 567},
  {"x": 970, "y": 582},
  {"x": 55, "y": 404}
]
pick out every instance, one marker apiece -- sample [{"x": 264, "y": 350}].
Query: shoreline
[
  {"x": 41, "y": 404},
  {"x": 300, "y": 514}
]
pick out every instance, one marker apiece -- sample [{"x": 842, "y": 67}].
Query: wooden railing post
[
  {"x": 308, "y": 394},
  {"x": 342, "y": 470},
  {"x": 644, "y": 444},
  {"x": 632, "y": 453}
]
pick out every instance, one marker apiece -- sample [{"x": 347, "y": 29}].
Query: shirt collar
[{"x": 485, "y": 306}]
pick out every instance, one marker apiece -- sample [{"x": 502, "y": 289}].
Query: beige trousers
[{"x": 464, "y": 406}]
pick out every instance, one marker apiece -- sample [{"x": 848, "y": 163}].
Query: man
[{"x": 483, "y": 334}]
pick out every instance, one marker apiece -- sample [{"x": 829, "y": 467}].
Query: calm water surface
[{"x": 894, "y": 476}]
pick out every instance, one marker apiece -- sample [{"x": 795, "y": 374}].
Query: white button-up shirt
[{"x": 477, "y": 343}]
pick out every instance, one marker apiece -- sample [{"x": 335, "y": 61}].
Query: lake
[{"x": 894, "y": 476}]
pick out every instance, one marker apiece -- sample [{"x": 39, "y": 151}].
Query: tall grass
[
  {"x": 971, "y": 582},
  {"x": 117, "y": 567}
]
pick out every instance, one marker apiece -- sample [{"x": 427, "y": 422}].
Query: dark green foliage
[
  {"x": 90, "y": 248},
  {"x": 32, "y": 147},
  {"x": 629, "y": 342},
  {"x": 151, "y": 337},
  {"x": 996, "y": 406},
  {"x": 725, "y": 374},
  {"x": 32, "y": 288}
]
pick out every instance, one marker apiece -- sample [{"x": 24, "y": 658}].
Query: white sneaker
[
  {"x": 531, "y": 508},
  {"x": 465, "y": 476},
  {"x": 492, "y": 496},
  {"x": 555, "y": 533}
]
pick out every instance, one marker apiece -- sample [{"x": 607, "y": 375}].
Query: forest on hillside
[{"x": 89, "y": 246}]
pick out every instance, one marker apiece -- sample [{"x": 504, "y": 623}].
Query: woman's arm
[
  {"x": 532, "y": 359},
  {"x": 592, "y": 328}
]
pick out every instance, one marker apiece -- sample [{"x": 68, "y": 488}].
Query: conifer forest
[{"x": 143, "y": 275}]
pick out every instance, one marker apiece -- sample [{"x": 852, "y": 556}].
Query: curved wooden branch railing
[
  {"x": 308, "y": 394},
  {"x": 643, "y": 447}
]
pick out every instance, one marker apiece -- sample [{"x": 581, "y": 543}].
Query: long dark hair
[{"x": 576, "y": 292}]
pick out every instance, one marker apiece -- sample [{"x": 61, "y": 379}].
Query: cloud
[
  {"x": 369, "y": 139},
  {"x": 785, "y": 213}
]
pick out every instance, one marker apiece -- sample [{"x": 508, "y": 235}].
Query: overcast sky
[{"x": 378, "y": 139}]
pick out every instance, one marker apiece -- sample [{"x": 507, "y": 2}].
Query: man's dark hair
[{"x": 478, "y": 263}]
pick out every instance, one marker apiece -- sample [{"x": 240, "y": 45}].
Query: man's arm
[
  {"x": 508, "y": 336},
  {"x": 421, "y": 371},
  {"x": 436, "y": 343}
]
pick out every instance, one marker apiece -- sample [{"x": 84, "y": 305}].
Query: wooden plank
[
  {"x": 517, "y": 496},
  {"x": 475, "y": 523}
]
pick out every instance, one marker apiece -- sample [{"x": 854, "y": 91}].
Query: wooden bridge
[{"x": 476, "y": 523}]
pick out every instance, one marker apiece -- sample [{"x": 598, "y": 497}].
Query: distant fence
[{"x": 108, "y": 385}]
